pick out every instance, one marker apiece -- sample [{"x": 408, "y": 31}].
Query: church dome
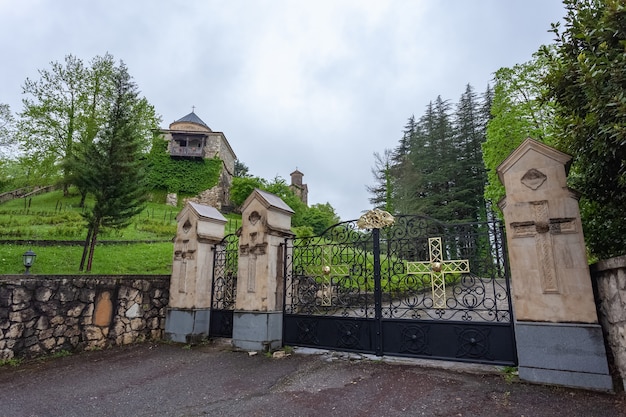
[{"x": 191, "y": 118}]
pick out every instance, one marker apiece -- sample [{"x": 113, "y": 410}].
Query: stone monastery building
[{"x": 190, "y": 138}]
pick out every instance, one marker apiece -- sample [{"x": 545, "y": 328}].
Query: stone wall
[
  {"x": 44, "y": 314},
  {"x": 609, "y": 278}
]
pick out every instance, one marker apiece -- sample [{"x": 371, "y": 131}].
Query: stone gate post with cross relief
[
  {"x": 559, "y": 340},
  {"x": 199, "y": 228},
  {"x": 258, "y": 315}
]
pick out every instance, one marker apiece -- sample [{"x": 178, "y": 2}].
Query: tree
[
  {"x": 587, "y": 80},
  {"x": 97, "y": 92},
  {"x": 518, "y": 111},
  {"x": 402, "y": 175},
  {"x": 434, "y": 155},
  {"x": 470, "y": 177},
  {"x": 116, "y": 170},
  {"x": 279, "y": 187},
  {"x": 241, "y": 169},
  {"x": 66, "y": 108},
  {"x": 49, "y": 124},
  {"x": 242, "y": 187},
  {"x": 382, "y": 190},
  {"x": 6, "y": 145},
  {"x": 320, "y": 217},
  {"x": 7, "y": 127}
]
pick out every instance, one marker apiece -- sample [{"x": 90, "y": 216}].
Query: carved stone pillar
[
  {"x": 558, "y": 337},
  {"x": 257, "y": 320},
  {"x": 188, "y": 315}
]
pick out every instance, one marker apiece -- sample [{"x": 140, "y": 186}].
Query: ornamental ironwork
[{"x": 397, "y": 288}]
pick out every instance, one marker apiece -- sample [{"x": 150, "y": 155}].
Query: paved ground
[{"x": 169, "y": 380}]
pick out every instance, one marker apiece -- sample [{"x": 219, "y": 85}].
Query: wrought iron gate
[
  {"x": 224, "y": 286},
  {"x": 417, "y": 288}
]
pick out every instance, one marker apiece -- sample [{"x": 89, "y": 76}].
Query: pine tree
[
  {"x": 434, "y": 156},
  {"x": 113, "y": 169},
  {"x": 470, "y": 178},
  {"x": 382, "y": 190}
]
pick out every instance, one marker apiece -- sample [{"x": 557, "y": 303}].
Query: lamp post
[{"x": 29, "y": 259}]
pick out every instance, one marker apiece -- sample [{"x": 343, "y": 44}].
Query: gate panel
[
  {"x": 417, "y": 288},
  {"x": 224, "y": 286},
  {"x": 329, "y": 291},
  {"x": 330, "y": 332}
]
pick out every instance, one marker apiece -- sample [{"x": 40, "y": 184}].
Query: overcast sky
[{"x": 314, "y": 85}]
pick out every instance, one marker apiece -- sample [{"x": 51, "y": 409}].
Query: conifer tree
[
  {"x": 433, "y": 154},
  {"x": 114, "y": 169},
  {"x": 470, "y": 178},
  {"x": 382, "y": 190}
]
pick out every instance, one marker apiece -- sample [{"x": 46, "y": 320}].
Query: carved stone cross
[
  {"x": 437, "y": 268},
  {"x": 542, "y": 228}
]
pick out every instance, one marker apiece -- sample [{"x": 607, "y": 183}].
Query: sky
[{"x": 317, "y": 86}]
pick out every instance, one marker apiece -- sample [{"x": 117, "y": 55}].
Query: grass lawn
[
  {"x": 122, "y": 259},
  {"x": 144, "y": 247}
]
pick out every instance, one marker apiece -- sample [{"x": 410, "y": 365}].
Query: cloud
[{"x": 319, "y": 85}]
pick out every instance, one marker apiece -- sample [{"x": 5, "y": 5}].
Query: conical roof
[{"x": 192, "y": 118}]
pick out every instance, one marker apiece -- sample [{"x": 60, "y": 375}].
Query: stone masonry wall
[
  {"x": 609, "y": 278},
  {"x": 40, "y": 314}
]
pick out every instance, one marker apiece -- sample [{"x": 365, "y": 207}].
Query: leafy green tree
[
  {"x": 6, "y": 145},
  {"x": 242, "y": 187},
  {"x": 305, "y": 220},
  {"x": 96, "y": 98},
  {"x": 66, "y": 108},
  {"x": 587, "y": 80},
  {"x": 7, "y": 130},
  {"x": 279, "y": 187},
  {"x": 116, "y": 169},
  {"x": 320, "y": 217},
  {"x": 49, "y": 124},
  {"x": 518, "y": 111}
]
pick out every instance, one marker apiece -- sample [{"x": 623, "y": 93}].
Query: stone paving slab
[{"x": 213, "y": 380}]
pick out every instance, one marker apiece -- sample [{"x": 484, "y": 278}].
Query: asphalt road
[{"x": 171, "y": 380}]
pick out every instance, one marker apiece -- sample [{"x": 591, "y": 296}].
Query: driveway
[{"x": 213, "y": 380}]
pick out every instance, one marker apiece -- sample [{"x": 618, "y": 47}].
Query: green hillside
[{"x": 51, "y": 225}]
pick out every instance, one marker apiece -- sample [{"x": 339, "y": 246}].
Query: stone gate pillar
[
  {"x": 200, "y": 227},
  {"x": 258, "y": 316},
  {"x": 559, "y": 340}
]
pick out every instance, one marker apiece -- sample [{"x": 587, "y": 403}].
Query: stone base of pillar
[
  {"x": 187, "y": 326},
  {"x": 258, "y": 331},
  {"x": 568, "y": 354}
]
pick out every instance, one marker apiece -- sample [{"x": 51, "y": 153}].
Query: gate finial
[{"x": 375, "y": 219}]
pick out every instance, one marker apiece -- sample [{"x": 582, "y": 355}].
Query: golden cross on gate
[{"x": 437, "y": 268}]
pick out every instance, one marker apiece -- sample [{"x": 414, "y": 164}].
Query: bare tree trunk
[
  {"x": 85, "y": 248},
  {"x": 92, "y": 246}
]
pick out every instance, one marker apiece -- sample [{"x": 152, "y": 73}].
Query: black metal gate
[
  {"x": 224, "y": 286},
  {"x": 417, "y": 288}
]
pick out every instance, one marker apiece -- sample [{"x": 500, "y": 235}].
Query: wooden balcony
[{"x": 190, "y": 152}]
